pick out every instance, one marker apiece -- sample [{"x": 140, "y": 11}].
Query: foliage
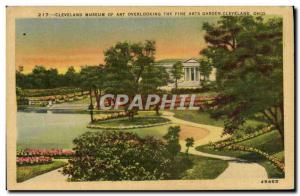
[
  {"x": 189, "y": 143},
  {"x": 131, "y": 70},
  {"x": 177, "y": 73},
  {"x": 126, "y": 62},
  {"x": 92, "y": 79},
  {"x": 190, "y": 90},
  {"x": 39, "y": 78},
  {"x": 71, "y": 78},
  {"x": 247, "y": 53},
  {"x": 153, "y": 77},
  {"x": 27, "y": 172},
  {"x": 111, "y": 155},
  {"x": 172, "y": 138},
  {"x": 205, "y": 69}
]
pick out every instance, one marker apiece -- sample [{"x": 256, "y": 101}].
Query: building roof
[{"x": 171, "y": 62}]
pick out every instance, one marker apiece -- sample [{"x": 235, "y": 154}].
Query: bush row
[
  {"x": 111, "y": 116},
  {"x": 44, "y": 101},
  {"x": 271, "y": 158},
  {"x": 63, "y": 98},
  {"x": 22, "y": 161},
  {"x": 55, "y": 153},
  {"x": 48, "y": 92},
  {"x": 93, "y": 126},
  {"x": 188, "y": 90}
]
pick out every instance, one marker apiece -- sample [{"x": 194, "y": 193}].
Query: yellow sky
[{"x": 77, "y": 42}]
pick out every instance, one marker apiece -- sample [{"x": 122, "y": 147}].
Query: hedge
[{"x": 92, "y": 126}]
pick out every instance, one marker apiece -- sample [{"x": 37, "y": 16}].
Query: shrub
[
  {"x": 172, "y": 138},
  {"x": 188, "y": 90},
  {"x": 112, "y": 155}
]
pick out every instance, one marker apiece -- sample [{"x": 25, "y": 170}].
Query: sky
[{"x": 60, "y": 43}]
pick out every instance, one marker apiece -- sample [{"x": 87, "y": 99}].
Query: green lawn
[
  {"x": 198, "y": 117},
  {"x": 131, "y": 122},
  {"x": 204, "y": 168},
  {"x": 157, "y": 131},
  {"x": 269, "y": 142},
  {"x": 27, "y": 172},
  {"x": 85, "y": 100}
]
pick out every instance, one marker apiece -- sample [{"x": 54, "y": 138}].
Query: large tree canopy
[
  {"x": 177, "y": 73},
  {"x": 247, "y": 53},
  {"x": 131, "y": 70}
]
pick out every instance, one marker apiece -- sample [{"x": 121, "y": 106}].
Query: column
[{"x": 195, "y": 74}]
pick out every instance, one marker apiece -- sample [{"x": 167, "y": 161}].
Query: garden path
[{"x": 237, "y": 168}]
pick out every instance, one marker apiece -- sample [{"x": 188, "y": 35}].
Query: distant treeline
[{"x": 42, "y": 78}]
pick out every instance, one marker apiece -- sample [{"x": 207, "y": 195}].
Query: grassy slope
[
  {"x": 197, "y": 117},
  {"x": 204, "y": 168},
  {"x": 269, "y": 142},
  {"x": 27, "y": 172}
]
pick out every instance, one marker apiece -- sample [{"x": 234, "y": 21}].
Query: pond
[
  {"x": 49, "y": 130},
  {"x": 56, "y": 130}
]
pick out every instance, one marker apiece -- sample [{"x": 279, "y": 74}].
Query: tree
[
  {"x": 205, "y": 69},
  {"x": 189, "y": 143},
  {"x": 92, "y": 79},
  {"x": 153, "y": 78},
  {"x": 247, "y": 53},
  {"x": 177, "y": 73},
  {"x": 172, "y": 138},
  {"x": 120, "y": 79},
  {"x": 71, "y": 78},
  {"x": 129, "y": 66},
  {"x": 42, "y": 78},
  {"x": 20, "y": 77},
  {"x": 116, "y": 156}
]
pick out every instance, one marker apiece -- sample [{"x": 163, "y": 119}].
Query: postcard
[{"x": 150, "y": 98}]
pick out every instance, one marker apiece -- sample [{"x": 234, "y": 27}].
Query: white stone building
[{"x": 191, "y": 77}]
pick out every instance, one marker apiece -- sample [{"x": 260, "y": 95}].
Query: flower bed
[
  {"x": 271, "y": 158},
  {"x": 230, "y": 144},
  {"x": 230, "y": 141},
  {"x": 93, "y": 126},
  {"x": 21, "y": 161},
  {"x": 112, "y": 116},
  {"x": 55, "y": 99},
  {"x": 55, "y": 153},
  {"x": 53, "y": 91}
]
